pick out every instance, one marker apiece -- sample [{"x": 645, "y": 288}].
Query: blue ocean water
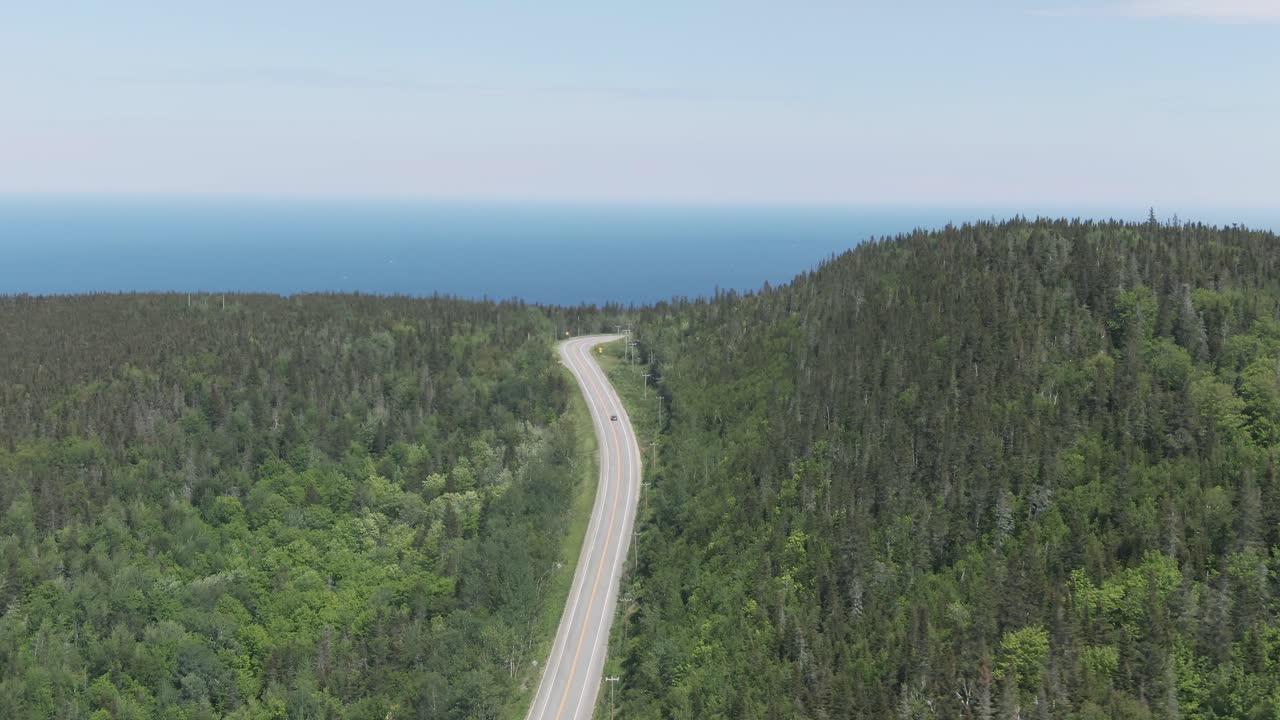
[{"x": 543, "y": 254}]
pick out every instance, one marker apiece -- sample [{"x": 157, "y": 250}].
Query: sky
[{"x": 1172, "y": 103}]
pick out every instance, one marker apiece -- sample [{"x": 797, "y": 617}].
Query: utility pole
[
  {"x": 613, "y": 685},
  {"x": 635, "y": 533},
  {"x": 626, "y": 601},
  {"x": 646, "y": 384}
]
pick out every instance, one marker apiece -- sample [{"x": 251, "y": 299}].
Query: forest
[
  {"x": 1024, "y": 469},
  {"x": 1003, "y": 470},
  {"x": 244, "y": 506}
]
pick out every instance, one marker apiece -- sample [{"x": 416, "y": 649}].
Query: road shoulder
[
  {"x": 586, "y": 468},
  {"x": 641, "y": 403}
]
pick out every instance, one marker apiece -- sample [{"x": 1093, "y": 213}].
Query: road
[{"x": 571, "y": 677}]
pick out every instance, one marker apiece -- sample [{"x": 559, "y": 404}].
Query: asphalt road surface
[{"x": 572, "y": 675}]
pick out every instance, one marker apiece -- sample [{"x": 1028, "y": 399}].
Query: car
[{"x": 613, "y": 418}]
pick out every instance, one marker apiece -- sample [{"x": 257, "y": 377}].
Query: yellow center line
[
  {"x": 634, "y": 468},
  {"x": 547, "y": 687},
  {"x": 595, "y": 583}
]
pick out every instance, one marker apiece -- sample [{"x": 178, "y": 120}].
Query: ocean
[{"x": 542, "y": 254}]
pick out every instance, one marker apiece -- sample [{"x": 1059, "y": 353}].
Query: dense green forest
[
  {"x": 260, "y": 507},
  {"x": 1015, "y": 470}
]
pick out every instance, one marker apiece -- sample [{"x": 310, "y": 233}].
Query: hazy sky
[{"x": 1164, "y": 102}]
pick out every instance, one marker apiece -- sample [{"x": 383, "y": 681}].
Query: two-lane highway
[{"x": 571, "y": 677}]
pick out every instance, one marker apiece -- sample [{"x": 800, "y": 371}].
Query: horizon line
[{"x": 1014, "y": 207}]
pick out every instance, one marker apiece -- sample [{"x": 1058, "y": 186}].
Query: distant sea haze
[{"x": 543, "y": 254}]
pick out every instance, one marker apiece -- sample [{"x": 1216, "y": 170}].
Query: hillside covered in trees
[
  {"x": 1016, "y": 470},
  {"x": 259, "y": 507}
]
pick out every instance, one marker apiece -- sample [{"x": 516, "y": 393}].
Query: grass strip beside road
[
  {"x": 642, "y": 408},
  {"x": 586, "y": 468}
]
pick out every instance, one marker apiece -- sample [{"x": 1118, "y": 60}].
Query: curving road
[{"x": 571, "y": 677}]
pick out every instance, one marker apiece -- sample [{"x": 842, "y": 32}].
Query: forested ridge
[
  {"x": 1004, "y": 470},
  {"x": 264, "y": 507}
]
